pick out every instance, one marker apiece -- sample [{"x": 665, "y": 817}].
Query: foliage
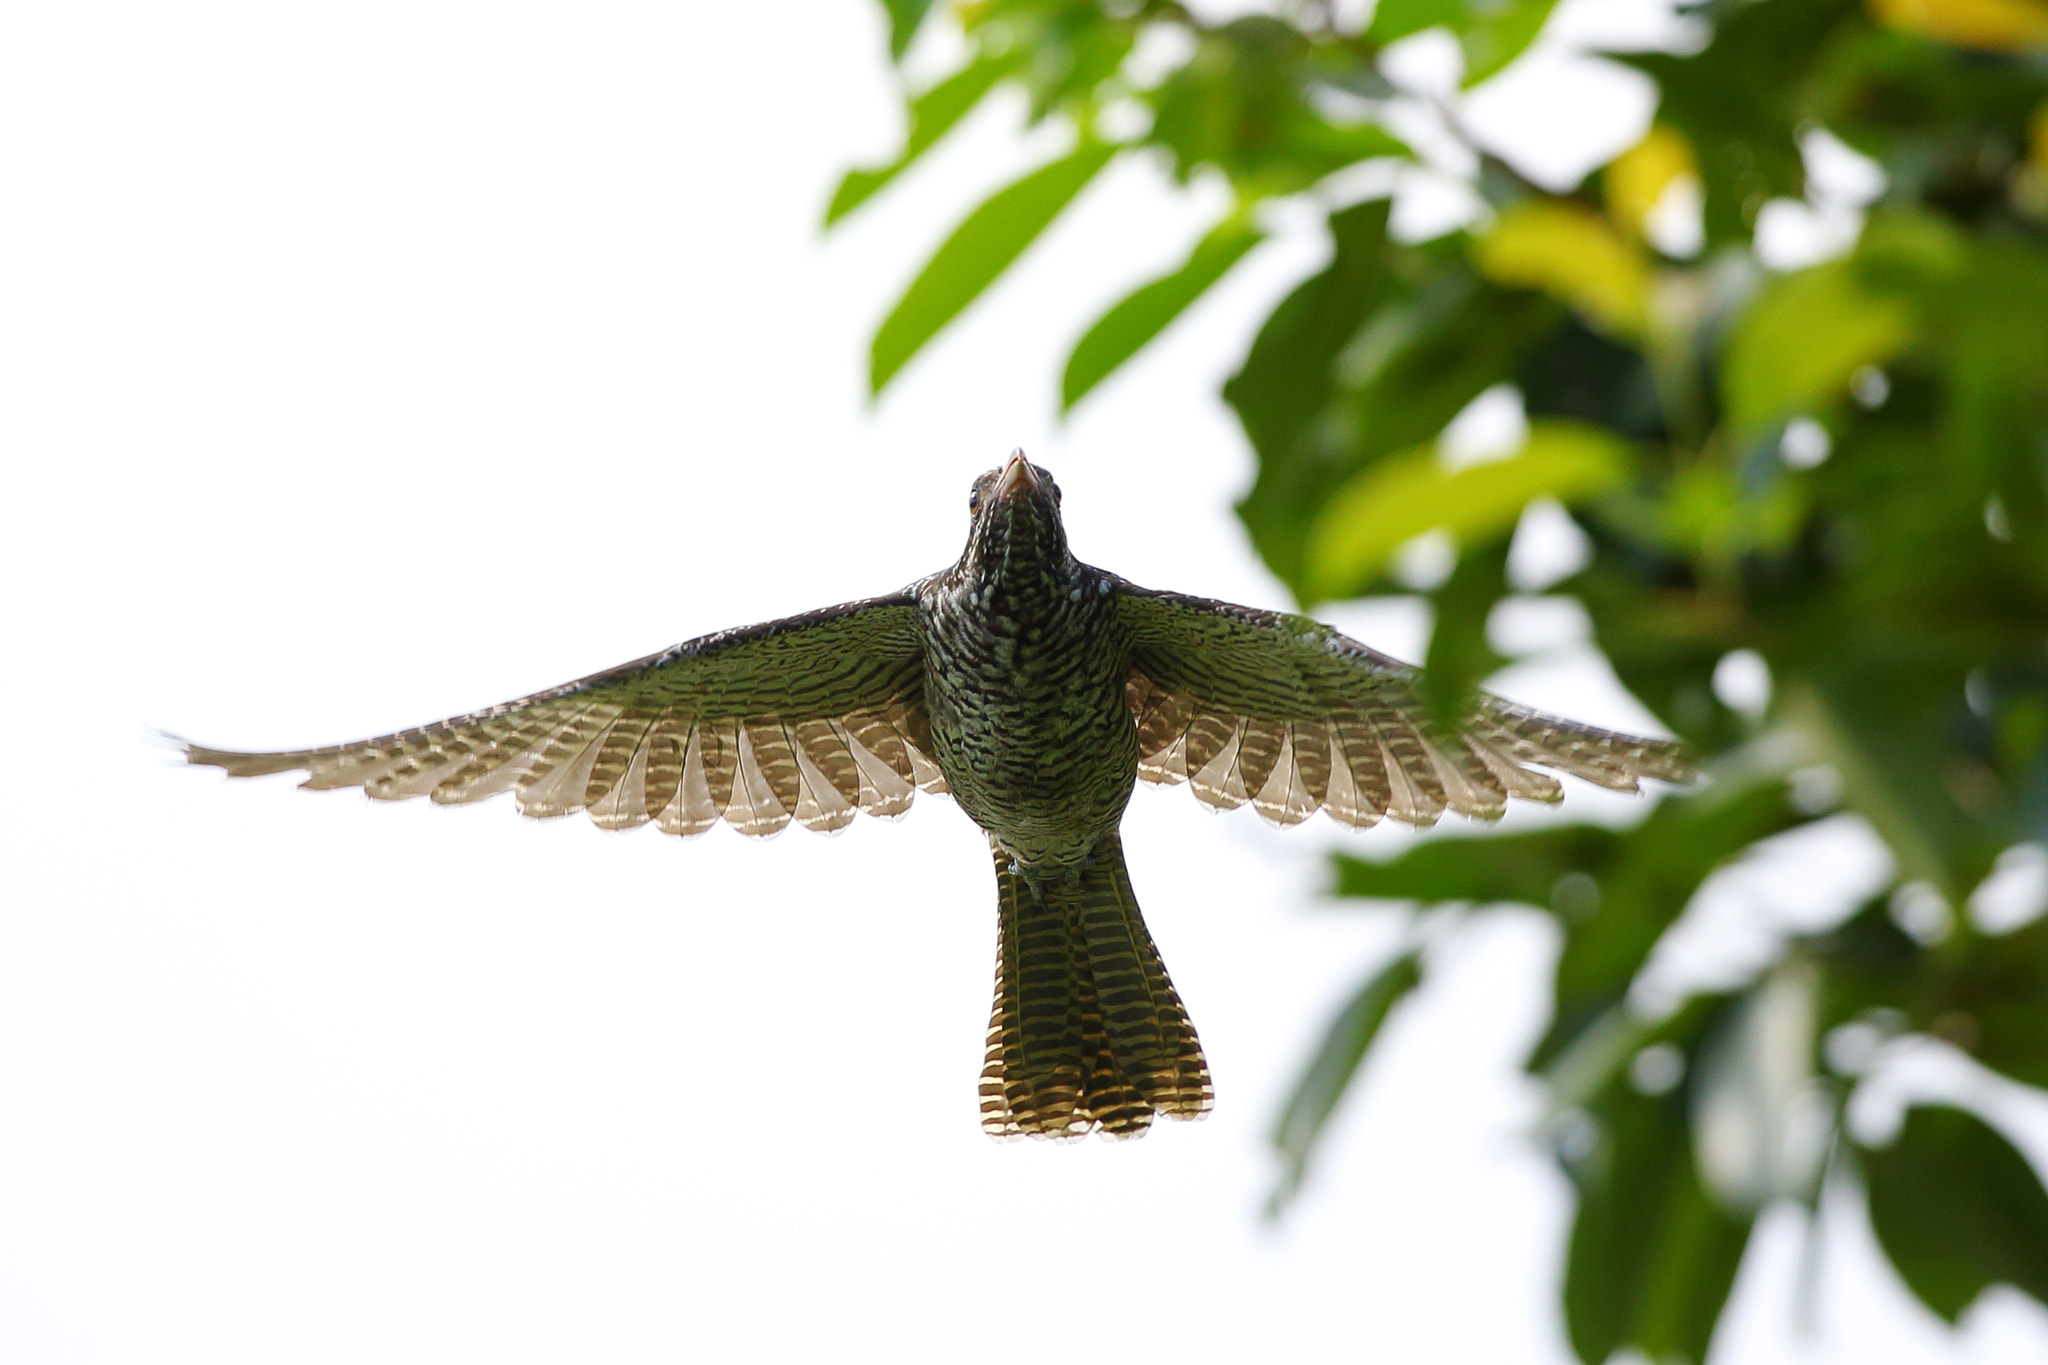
[{"x": 1840, "y": 468}]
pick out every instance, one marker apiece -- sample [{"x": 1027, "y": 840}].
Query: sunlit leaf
[
  {"x": 979, "y": 250},
  {"x": 1336, "y": 1060},
  {"x": 932, "y": 115},
  {"x": 1993, "y": 25},
  {"x": 1146, "y": 311},
  {"x": 1957, "y": 1210},
  {"x": 1572, "y": 254},
  {"x": 1803, "y": 340},
  {"x": 1393, "y": 20},
  {"x": 1392, "y": 502}
]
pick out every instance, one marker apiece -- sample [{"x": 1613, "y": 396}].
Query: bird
[{"x": 1036, "y": 690}]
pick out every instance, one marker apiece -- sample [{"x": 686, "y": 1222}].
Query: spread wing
[
  {"x": 810, "y": 718},
  {"x": 1294, "y": 717}
]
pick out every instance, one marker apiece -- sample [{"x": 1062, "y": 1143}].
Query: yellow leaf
[
  {"x": 1994, "y": 25},
  {"x": 1637, "y": 179},
  {"x": 1575, "y": 256}
]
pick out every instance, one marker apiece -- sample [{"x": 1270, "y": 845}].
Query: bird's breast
[{"x": 1026, "y": 696}]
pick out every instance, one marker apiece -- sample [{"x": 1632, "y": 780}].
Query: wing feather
[
  {"x": 1294, "y": 717},
  {"x": 811, "y": 718}
]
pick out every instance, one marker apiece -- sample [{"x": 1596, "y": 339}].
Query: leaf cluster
[{"x": 1838, "y": 471}]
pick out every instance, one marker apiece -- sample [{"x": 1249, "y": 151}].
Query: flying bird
[{"x": 1036, "y": 690}]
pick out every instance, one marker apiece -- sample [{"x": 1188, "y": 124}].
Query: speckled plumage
[{"x": 1037, "y": 690}]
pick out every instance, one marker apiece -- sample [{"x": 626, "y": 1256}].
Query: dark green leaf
[
  {"x": 1146, "y": 311},
  {"x": 1740, "y": 103},
  {"x": 1459, "y": 657},
  {"x": 932, "y": 116},
  {"x": 979, "y": 250},
  {"x": 1329, "y": 1072},
  {"x": 1958, "y": 1210},
  {"x": 1639, "y": 890},
  {"x": 904, "y": 18},
  {"x": 1502, "y": 33},
  {"x": 1651, "y": 1257},
  {"x": 1240, "y": 105}
]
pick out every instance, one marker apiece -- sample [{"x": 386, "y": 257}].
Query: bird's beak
[{"x": 1019, "y": 478}]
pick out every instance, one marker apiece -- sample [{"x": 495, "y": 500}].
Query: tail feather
[{"x": 1087, "y": 1031}]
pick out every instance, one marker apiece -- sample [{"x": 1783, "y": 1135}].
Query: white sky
[{"x": 362, "y": 364}]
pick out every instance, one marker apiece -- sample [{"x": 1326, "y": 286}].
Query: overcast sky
[{"x": 364, "y": 364}]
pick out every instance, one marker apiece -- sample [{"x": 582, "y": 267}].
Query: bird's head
[{"x": 1016, "y": 521}]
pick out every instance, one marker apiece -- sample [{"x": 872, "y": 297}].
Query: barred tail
[{"x": 1087, "y": 1031}]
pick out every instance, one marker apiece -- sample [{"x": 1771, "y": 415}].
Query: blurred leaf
[
  {"x": 1121, "y": 332},
  {"x": 1637, "y": 180},
  {"x": 1803, "y": 340},
  {"x": 1589, "y": 376},
  {"x": 1501, "y": 33},
  {"x": 1336, "y": 1060},
  {"x": 1573, "y": 255},
  {"x": 904, "y": 18},
  {"x": 979, "y": 250},
  {"x": 932, "y": 116},
  {"x": 1651, "y": 1257},
  {"x": 1239, "y": 105},
  {"x": 1391, "y": 503},
  {"x": 1994, "y": 25},
  {"x": 1393, "y": 20},
  {"x": 1957, "y": 1210},
  {"x": 1739, "y": 103},
  {"x": 1289, "y": 377},
  {"x": 1753, "y": 1074},
  {"x": 1648, "y": 876},
  {"x": 1520, "y": 868},
  {"x": 1459, "y": 657}
]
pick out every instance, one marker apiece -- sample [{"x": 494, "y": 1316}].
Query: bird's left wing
[
  {"x": 809, "y": 718},
  {"x": 1293, "y": 717}
]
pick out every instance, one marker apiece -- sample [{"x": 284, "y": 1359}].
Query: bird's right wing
[
  {"x": 1293, "y": 717},
  {"x": 809, "y": 718}
]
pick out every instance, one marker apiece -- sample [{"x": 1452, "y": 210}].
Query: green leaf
[
  {"x": 932, "y": 116},
  {"x": 1393, "y": 20},
  {"x": 1330, "y": 1071},
  {"x": 1958, "y": 1210},
  {"x": 1651, "y": 1257},
  {"x": 979, "y": 250},
  {"x": 904, "y": 18},
  {"x": 1641, "y": 887},
  {"x": 1742, "y": 101},
  {"x": 1801, "y": 342},
  {"x": 1145, "y": 312},
  {"x": 1519, "y": 868},
  {"x": 1392, "y": 502},
  {"x": 1459, "y": 657},
  {"x": 1502, "y": 34},
  {"x": 1575, "y": 256}
]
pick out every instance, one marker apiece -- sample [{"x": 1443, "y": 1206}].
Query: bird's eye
[{"x": 974, "y": 500}]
